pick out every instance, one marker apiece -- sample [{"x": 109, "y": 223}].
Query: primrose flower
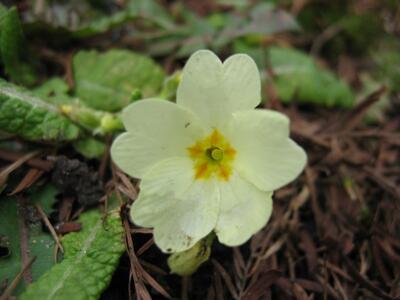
[{"x": 211, "y": 161}]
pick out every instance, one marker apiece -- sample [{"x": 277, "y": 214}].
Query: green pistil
[{"x": 215, "y": 154}]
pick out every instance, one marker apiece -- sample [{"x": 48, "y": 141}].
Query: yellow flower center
[
  {"x": 215, "y": 153},
  {"x": 212, "y": 156}
]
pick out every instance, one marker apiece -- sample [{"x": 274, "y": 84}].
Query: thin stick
[
  {"x": 141, "y": 291},
  {"x": 15, "y": 165},
  {"x": 44, "y": 165},
  {"x": 23, "y": 239},
  {"x": 142, "y": 230},
  {"x": 185, "y": 288},
  {"x": 17, "y": 279},
  {"x": 145, "y": 247},
  {"x": 49, "y": 226},
  {"x": 105, "y": 158}
]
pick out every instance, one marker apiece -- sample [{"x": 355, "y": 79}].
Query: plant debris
[{"x": 74, "y": 178}]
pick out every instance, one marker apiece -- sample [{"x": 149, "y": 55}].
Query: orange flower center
[{"x": 212, "y": 156}]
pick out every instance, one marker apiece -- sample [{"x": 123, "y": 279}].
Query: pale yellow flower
[{"x": 211, "y": 161}]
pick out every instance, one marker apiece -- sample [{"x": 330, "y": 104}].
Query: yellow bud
[{"x": 66, "y": 109}]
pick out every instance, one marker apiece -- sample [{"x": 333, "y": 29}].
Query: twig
[
  {"x": 386, "y": 184},
  {"x": 15, "y": 165},
  {"x": 23, "y": 238},
  {"x": 185, "y": 288},
  {"x": 69, "y": 77},
  {"x": 7, "y": 293},
  {"x": 152, "y": 268},
  {"x": 105, "y": 158},
  {"x": 365, "y": 282},
  {"x": 141, "y": 291},
  {"x": 325, "y": 279},
  {"x": 154, "y": 284},
  {"x": 145, "y": 247},
  {"x": 325, "y": 36},
  {"x": 142, "y": 230},
  {"x": 310, "y": 137},
  {"x": 227, "y": 279},
  {"x": 352, "y": 118},
  {"x": 49, "y": 226},
  {"x": 30, "y": 178},
  {"x": 41, "y": 164}
]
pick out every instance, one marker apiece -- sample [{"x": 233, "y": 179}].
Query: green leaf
[
  {"x": 387, "y": 59},
  {"x": 297, "y": 76},
  {"x": 90, "y": 147},
  {"x": 55, "y": 91},
  {"x": 13, "y": 215},
  {"x": 106, "y": 80},
  {"x": 235, "y": 3},
  {"x": 152, "y": 11},
  {"x": 31, "y": 118},
  {"x": 103, "y": 24},
  {"x": 13, "y": 48},
  {"x": 55, "y": 17},
  {"x": 90, "y": 18},
  {"x": 91, "y": 257},
  {"x": 264, "y": 19}
]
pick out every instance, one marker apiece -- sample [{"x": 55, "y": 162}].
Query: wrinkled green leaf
[
  {"x": 25, "y": 115},
  {"x": 13, "y": 48},
  {"x": 91, "y": 257},
  {"x": 106, "y": 80},
  {"x": 13, "y": 214},
  {"x": 297, "y": 76}
]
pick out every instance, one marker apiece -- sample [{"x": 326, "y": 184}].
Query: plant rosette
[{"x": 210, "y": 162}]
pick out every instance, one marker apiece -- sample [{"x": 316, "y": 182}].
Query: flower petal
[
  {"x": 160, "y": 189},
  {"x": 244, "y": 210},
  {"x": 214, "y": 91},
  {"x": 181, "y": 210},
  {"x": 242, "y": 82},
  {"x": 266, "y": 156},
  {"x": 157, "y": 129}
]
